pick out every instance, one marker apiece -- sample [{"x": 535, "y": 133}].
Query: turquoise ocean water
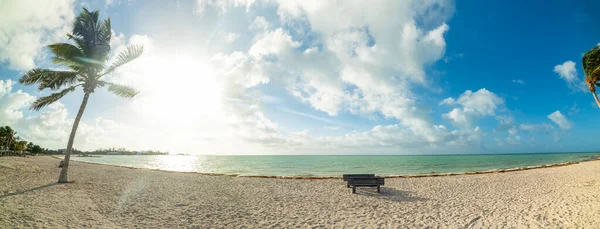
[{"x": 327, "y": 166}]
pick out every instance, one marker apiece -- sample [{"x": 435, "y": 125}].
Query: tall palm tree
[
  {"x": 591, "y": 68},
  {"x": 86, "y": 62}
]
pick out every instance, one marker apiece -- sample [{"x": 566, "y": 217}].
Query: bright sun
[{"x": 178, "y": 90}]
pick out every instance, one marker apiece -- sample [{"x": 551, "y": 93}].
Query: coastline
[{"x": 515, "y": 169}]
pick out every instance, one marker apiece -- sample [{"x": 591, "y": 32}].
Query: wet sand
[{"x": 115, "y": 197}]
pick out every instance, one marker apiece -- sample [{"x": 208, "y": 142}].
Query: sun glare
[{"x": 180, "y": 89}]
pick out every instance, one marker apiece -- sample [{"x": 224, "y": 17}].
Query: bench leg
[
  {"x": 353, "y": 189},
  {"x": 378, "y": 190}
]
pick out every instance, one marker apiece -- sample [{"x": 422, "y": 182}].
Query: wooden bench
[
  {"x": 352, "y": 176},
  {"x": 366, "y": 182}
]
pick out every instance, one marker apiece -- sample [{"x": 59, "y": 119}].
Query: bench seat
[{"x": 366, "y": 182}]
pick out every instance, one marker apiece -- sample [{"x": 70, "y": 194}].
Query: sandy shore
[{"x": 114, "y": 197}]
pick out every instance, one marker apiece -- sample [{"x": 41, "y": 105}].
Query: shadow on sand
[
  {"x": 28, "y": 190},
  {"x": 390, "y": 194}
]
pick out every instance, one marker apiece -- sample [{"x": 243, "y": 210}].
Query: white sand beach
[{"x": 105, "y": 196}]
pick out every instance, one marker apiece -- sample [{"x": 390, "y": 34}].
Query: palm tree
[
  {"x": 8, "y": 136},
  {"x": 591, "y": 68},
  {"x": 85, "y": 60}
]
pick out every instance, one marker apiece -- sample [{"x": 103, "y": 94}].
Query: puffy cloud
[
  {"x": 567, "y": 72},
  {"x": 12, "y": 103},
  {"x": 28, "y": 25},
  {"x": 277, "y": 43},
  {"x": 472, "y": 106},
  {"x": 364, "y": 59},
  {"x": 560, "y": 120},
  {"x": 5, "y": 87},
  {"x": 47, "y": 128},
  {"x": 321, "y": 59}
]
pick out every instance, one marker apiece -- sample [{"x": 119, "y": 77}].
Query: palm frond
[
  {"x": 104, "y": 32},
  {"x": 92, "y": 35},
  {"x": 58, "y": 79},
  {"x": 39, "y": 75},
  {"x": 34, "y": 75},
  {"x": 47, "y": 100},
  {"x": 591, "y": 62},
  {"x": 121, "y": 90},
  {"x": 130, "y": 53},
  {"x": 74, "y": 63},
  {"x": 65, "y": 50},
  {"x": 80, "y": 43}
]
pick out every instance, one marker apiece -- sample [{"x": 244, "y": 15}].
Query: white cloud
[
  {"x": 544, "y": 129},
  {"x": 39, "y": 129},
  {"x": 472, "y": 106},
  {"x": 5, "y": 87},
  {"x": 573, "y": 110},
  {"x": 231, "y": 37},
  {"x": 538, "y": 128},
  {"x": 567, "y": 72},
  {"x": 260, "y": 23},
  {"x": 560, "y": 120},
  {"x": 518, "y": 81},
  {"x": 12, "y": 103},
  {"x": 363, "y": 59},
  {"x": 28, "y": 25},
  {"x": 110, "y": 2},
  {"x": 325, "y": 120},
  {"x": 222, "y": 5},
  {"x": 277, "y": 42}
]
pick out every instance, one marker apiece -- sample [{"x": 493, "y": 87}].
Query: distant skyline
[{"x": 318, "y": 77}]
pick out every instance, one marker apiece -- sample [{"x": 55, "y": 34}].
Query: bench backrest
[
  {"x": 366, "y": 181},
  {"x": 352, "y": 176}
]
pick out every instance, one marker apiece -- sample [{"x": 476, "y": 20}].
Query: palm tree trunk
[
  {"x": 596, "y": 97},
  {"x": 64, "y": 178}
]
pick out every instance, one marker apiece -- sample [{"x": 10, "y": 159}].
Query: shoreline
[{"x": 507, "y": 170}]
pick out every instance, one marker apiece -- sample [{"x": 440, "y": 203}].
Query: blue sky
[{"x": 319, "y": 77}]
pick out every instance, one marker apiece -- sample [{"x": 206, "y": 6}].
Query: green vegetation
[
  {"x": 123, "y": 151},
  {"x": 85, "y": 62},
  {"x": 591, "y": 68},
  {"x": 13, "y": 145}
]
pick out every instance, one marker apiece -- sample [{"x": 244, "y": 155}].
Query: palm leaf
[
  {"x": 121, "y": 90},
  {"x": 591, "y": 62},
  {"x": 92, "y": 36},
  {"x": 65, "y": 50},
  {"x": 74, "y": 63},
  {"x": 34, "y": 75},
  {"x": 104, "y": 32},
  {"x": 57, "y": 79},
  {"x": 39, "y": 75},
  {"x": 130, "y": 53},
  {"x": 47, "y": 100},
  {"x": 80, "y": 43}
]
